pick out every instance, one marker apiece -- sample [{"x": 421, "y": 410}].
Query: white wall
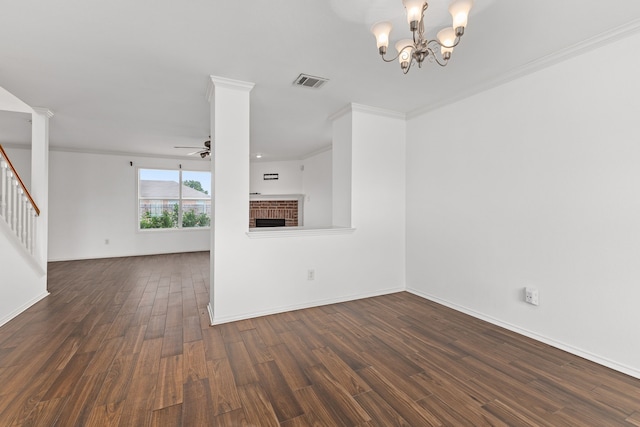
[
  {"x": 289, "y": 180},
  {"x": 259, "y": 276},
  {"x": 93, "y": 197},
  {"x": 316, "y": 185},
  {"x": 342, "y": 163},
  {"x": 23, "y": 282},
  {"x": 536, "y": 183}
]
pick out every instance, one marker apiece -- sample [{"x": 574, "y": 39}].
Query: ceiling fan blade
[
  {"x": 197, "y": 152},
  {"x": 187, "y": 147}
]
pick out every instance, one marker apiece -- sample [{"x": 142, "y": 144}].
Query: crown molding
[
  {"x": 360, "y": 108},
  {"x": 321, "y": 150},
  {"x": 215, "y": 81},
  {"x": 557, "y": 57},
  {"x": 43, "y": 111},
  {"x": 104, "y": 152},
  {"x": 118, "y": 153},
  {"x": 341, "y": 112}
]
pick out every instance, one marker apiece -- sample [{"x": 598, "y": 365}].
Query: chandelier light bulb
[
  {"x": 447, "y": 38},
  {"x": 381, "y": 30},
  {"x": 459, "y": 11},
  {"x": 405, "y": 51},
  {"x": 414, "y": 12}
]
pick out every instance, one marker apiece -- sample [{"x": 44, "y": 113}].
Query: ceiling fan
[{"x": 202, "y": 151}]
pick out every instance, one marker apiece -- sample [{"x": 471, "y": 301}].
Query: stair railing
[{"x": 17, "y": 207}]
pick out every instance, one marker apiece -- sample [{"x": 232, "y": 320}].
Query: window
[{"x": 173, "y": 198}]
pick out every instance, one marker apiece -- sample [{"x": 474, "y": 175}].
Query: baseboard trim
[
  {"x": 317, "y": 303},
  {"x": 210, "y": 311},
  {"x": 553, "y": 343},
  {"x": 23, "y": 307},
  {"x": 86, "y": 258}
]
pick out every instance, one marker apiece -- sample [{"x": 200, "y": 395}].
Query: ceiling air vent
[{"x": 310, "y": 81}]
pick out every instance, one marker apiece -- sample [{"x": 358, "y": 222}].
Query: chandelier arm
[
  {"x": 392, "y": 59},
  {"x": 398, "y": 55},
  {"x": 436, "y": 41},
  {"x": 434, "y": 57},
  {"x": 405, "y": 48}
]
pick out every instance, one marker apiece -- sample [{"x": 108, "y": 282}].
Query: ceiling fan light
[
  {"x": 459, "y": 11},
  {"x": 381, "y": 30}
]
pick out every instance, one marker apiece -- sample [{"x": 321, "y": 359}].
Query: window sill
[
  {"x": 164, "y": 230},
  {"x": 276, "y": 232}
]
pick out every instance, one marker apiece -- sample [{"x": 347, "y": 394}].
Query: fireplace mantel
[{"x": 298, "y": 197}]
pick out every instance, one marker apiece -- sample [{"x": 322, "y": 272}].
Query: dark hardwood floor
[{"x": 126, "y": 341}]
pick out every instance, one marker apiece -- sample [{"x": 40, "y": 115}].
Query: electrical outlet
[
  {"x": 311, "y": 274},
  {"x": 531, "y": 296}
]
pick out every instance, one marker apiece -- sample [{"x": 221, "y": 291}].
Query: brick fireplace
[{"x": 274, "y": 209}]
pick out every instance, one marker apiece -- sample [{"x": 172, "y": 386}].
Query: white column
[
  {"x": 40, "y": 180},
  {"x": 230, "y": 100},
  {"x": 341, "y": 168}
]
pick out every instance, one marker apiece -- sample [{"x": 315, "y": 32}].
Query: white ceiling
[{"x": 131, "y": 76}]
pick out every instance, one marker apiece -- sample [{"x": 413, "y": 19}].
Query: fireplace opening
[
  {"x": 270, "y": 222},
  {"x": 284, "y": 212}
]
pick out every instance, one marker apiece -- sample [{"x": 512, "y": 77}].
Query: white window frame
[{"x": 180, "y": 200}]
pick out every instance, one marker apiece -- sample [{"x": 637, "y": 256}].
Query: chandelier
[{"x": 419, "y": 48}]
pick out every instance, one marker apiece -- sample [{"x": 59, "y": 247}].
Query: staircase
[
  {"x": 23, "y": 224},
  {"x": 17, "y": 207},
  {"x": 23, "y": 277}
]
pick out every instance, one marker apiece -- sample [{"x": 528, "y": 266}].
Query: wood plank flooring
[{"x": 126, "y": 341}]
